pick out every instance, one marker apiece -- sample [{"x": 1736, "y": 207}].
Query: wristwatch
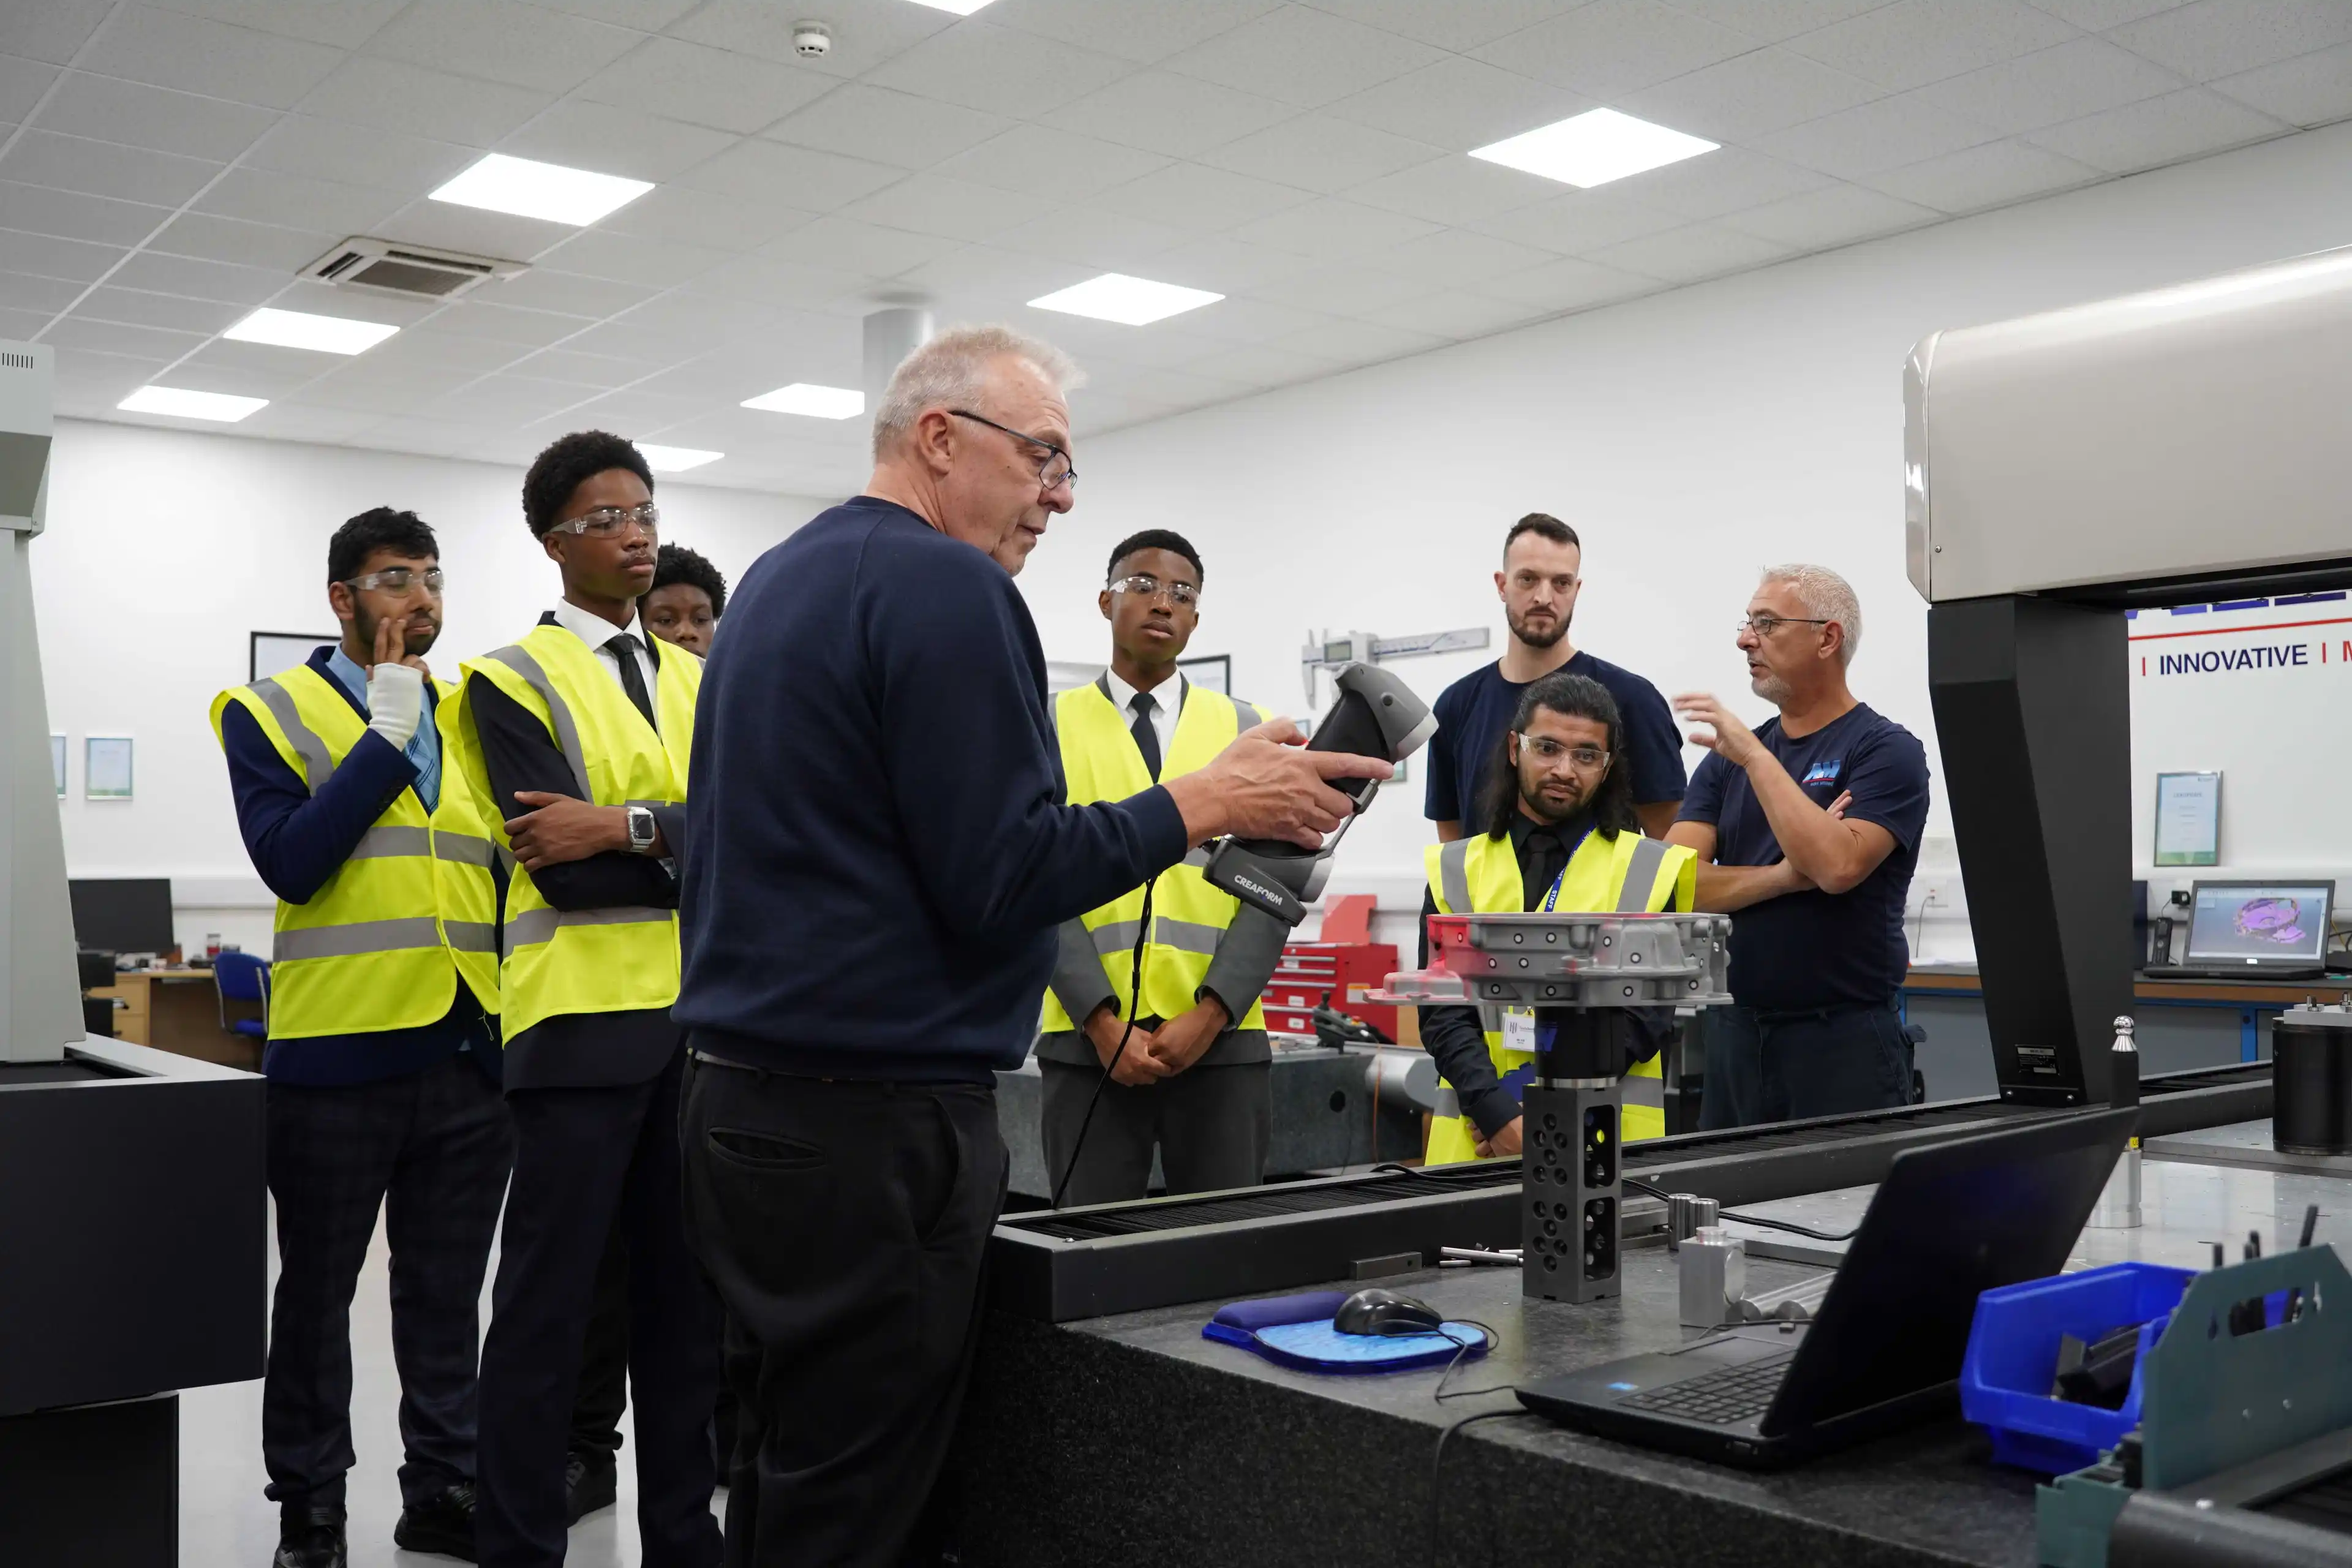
[{"x": 642, "y": 833}]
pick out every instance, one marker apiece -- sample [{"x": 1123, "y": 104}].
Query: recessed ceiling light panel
[
  {"x": 219, "y": 406},
  {"x": 675, "y": 459},
  {"x": 960, "y": 7},
  {"x": 815, "y": 401},
  {"x": 548, "y": 190},
  {"x": 301, "y": 330},
  {"x": 1132, "y": 301},
  {"x": 1594, "y": 148}
]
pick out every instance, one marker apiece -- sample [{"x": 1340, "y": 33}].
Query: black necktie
[
  {"x": 1147, "y": 739},
  {"x": 632, "y": 679},
  {"x": 1546, "y": 858}
]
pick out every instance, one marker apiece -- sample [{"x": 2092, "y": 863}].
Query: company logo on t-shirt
[{"x": 1825, "y": 773}]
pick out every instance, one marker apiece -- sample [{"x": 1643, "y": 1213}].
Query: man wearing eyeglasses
[
  {"x": 382, "y": 1066},
  {"x": 575, "y": 739},
  {"x": 1559, "y": 832},
  {"x": 1809, "y": 827},
  {"x": 1195, "y": 1078}
]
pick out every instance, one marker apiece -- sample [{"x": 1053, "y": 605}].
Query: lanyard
[{"x": 1552, "y": 897}]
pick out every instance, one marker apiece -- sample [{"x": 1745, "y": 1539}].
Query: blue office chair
[{"x": 241, "y": 977}]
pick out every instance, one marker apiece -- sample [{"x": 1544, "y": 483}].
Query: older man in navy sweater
[{"x": 880, "y": 856}]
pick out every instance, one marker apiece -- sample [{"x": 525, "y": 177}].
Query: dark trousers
[
  {"x": 1214, "y": 1126},
  {"x": 582, "y": 1155},
  {"x": 431, "y": 1148},
  {"x": 1780, "y": 1067},
  {"x": 844, "y": 1224},
  {"x": 604, "y": 1366}
]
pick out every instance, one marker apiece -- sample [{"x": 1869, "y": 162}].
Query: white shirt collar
[
  {"x": 1122, "y": 695},
  {"x": 589, "y": 626}
]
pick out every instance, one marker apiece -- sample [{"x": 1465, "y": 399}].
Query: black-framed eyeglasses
[
  {"x": 607, "y": 521},
  {"x": 400, "y": 579},
  {"x": 1765, "y": 625},
  {"x": 1144, "y": 585},
  {"x": 1052, "y": 473}
]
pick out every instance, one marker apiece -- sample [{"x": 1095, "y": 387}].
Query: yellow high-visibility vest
[
  {"x": 1100, "y": 761},
  {"x": 581, "y": 961},
  {"x": 381, "y": 945},
  {"x": 1630, "y": 873}
]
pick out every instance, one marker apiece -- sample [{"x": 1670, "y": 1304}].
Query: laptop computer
[
  {"x": 2268, "y": 931},
  {"x": 1950, "y": 1220}
]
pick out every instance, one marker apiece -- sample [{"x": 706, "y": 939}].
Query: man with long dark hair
[{"x": 1560, "y": 834}]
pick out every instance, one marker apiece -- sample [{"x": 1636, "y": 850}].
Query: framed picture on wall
[
  {"x": 1213, "y": 671},
  {"x": 2188, "y": 819},
  {"x": 57, "y": 762},
  {"x": 270, "y": 652},
  {"x": 106, "y": 767}
]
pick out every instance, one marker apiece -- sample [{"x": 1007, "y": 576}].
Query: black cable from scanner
[
  {"x": 1134, "y": 1002},
  {"x": 1755, "y": 1220}
]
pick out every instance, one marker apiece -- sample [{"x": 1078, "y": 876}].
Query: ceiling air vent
[{"x": 412, "y": 271}]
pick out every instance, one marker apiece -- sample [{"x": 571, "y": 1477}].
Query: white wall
[
  {"x": 1692, "y": 436},
  {"x": 165, "y": 548}
]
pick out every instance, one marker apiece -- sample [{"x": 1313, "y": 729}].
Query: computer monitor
[
  {"x": 122, "y": 914},
  {"x": 2259, "y": 925}
]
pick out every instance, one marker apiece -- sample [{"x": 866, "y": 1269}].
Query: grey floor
[{"x": 226, "y": 1523}]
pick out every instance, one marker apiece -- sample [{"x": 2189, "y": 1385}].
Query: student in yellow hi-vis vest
[
  {"x": 1196, "y": 1079},
  {"x": 381, "y": 1063},
  {"x": 577, "y": 739},
  {"x": 1559, "y": 834}
]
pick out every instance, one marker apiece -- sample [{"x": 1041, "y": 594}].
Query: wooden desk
[{"x": 177, "y": 1010}]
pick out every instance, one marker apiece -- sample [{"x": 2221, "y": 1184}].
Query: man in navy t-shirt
[
  {"x": 1811, "y": 823},
  {"x": 1538, "y": 584}
]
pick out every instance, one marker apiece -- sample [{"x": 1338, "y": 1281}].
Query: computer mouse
[{"x": 1377, "y": 1311}]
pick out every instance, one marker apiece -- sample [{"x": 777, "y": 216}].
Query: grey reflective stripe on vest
[
  {"x": 1449, "y": 1104},
  {"x": 356, "y": 939},
  {"x": 541, "y": 925},
  {"x": 317, "y": 765},
  {"x": 471, "y": 936},
  {"x": 387, "y": 842},
  {"x": 464, "y": 848},
  {"x": 517, "y": 657},
  {"x": 1454, "y": 877},
  {"x": 1641, "y": 870},
  {"x": 1245, "y": 716},
  {"x": 1184, "y": 936}
]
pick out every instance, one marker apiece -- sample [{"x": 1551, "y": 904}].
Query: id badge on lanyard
[{"x": 1519, "y": 1023}]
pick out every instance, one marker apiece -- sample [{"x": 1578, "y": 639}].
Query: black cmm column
[{"x": 2032, "y": 703}]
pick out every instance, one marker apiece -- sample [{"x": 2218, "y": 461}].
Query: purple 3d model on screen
[{"x": 2271, "y": 920}]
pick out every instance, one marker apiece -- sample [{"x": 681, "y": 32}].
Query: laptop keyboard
[{"x": 1720, "y": 1397}]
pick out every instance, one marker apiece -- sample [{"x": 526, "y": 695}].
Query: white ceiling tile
[
  {"x": 2081, "y": 77},
  {"x": 1225, "y": 265},
  {"x": 1457, "y": 313},
  {"x": 1459, "y": 104},
  {"x": 866, "y": 32},
  {"x": 23, "y": 291},
  {"x": 22, "y": 325},
  {"x": 382, "y": 388},
  {"x": 932, "y": 204},
  {"x": 799, "y": 177},
  {"x": 1303, "y": 57},
  {"x": 22, "y": 82},
  {"x": 425, "y": 435},
  {"x": 516, "y": 399},
  {"x": 1236, "y": 320},
  {"x": 1201, "y": 200},
  {"x": 1581, "y": 221},
  {"x": 1914, "y": 42},
  {"x": 1612, "y": 48},
  {"x": 1455, "y": 257},
  {"x": 1456, "y": 26},
  {"x": 220, "y": 362},
  {"x": 766, "y": 282},
  {"x": 192, "y": 54},
  {"x": 1342, "y": 291},
  {"x": 1570, "y": 285},
  {"x": 703, "y": 86},
  {"x": 646, "y": 16},
  {"x": 1986, "y": 176},
  {"x": 632, "y": 412},
  {"x": 1111, "y": 241},
  {"x": 632, "y": 259},
  {"x": 1688, "y": 255},
  {"x": 2186, "y": 124},
  {"x": 1145, "y": 33},
  {"x": 196, "y": 375},
  {"x": 1839, "y": 215},
  {"x": 2098, "y": 15},
  {"x": 392, "y": 95},
  {"x": 354, "y": 154},
  {"x": 2221, "y": 37},
  {"x": 46, "y": 256},
  {"x": 846, "y": 244},
  {"x": 1317, "y": 153},
  {"x": 1043, "y": 162},
  {"x": 94, "y": 383},
  {"x": 345, "y": 25},
  {"x": 108, "y": 111},
  {"x": 1360, "y": 342},
  {"x": 1884, "y": 134},
  {"x": 1749, "y": 95},
  {"x": 1000, "y": 71},
  {"x": 693, "y": 316},
  {"x": 428, "y": 349},
  {"x": 889, "y": 127},
  {"x": 104, "y": 169},
  {"x": 986, "y": 272},
  {"x": 691, "y": 216},
  {"x": 616, "y": 141},
  {"x": 1724, "y": 180},
  {"x": 477, "y": 230},
  {"x": 78, "y": 332},
  {"x": 1331, "y": 228},
  {"x": 2311, "y": 89},
  {"x": 501, "y": 40},
  {"x": 1100, "y": 344},
  {"x": 209, "y": 236},
  {"x": 650, "y": 346},
  {"x": 1183, "y": 388},
  {"x": 1160, "y": 111},
  {"x": 200, "y": 280},
  {"x": 50, "y": 32},
  {"x": 492, "y": 320},
  {"x": 1456, "y": 190},
  {"x": 1770, "y": 21},
  {"x": 298, "y": 422},
  {"x": 72, "y": 214},
  {"x": 1097, "y": 411},
  {"x": 290, "y": 200},
  {"x": 572, "y": 295},
  {"x": 602, "y": 372}
]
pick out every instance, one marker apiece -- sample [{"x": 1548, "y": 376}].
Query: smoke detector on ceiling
[
  {"x": 411, "y": 271},
  {"x": 812, "y": 40}
]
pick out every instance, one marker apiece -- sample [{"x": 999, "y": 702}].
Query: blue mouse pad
[{"x": 1295, "y": 1331}]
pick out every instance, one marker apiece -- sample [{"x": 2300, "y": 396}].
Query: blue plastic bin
[{"x": 2013, "y": 1359}]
